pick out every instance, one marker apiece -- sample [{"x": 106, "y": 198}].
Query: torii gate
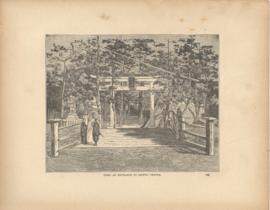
[{"x": 136, "y": 83}]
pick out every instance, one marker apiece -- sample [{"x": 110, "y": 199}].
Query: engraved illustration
[{"x": 132, "y": 103}]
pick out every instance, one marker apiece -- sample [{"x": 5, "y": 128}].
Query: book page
[{"x": 134, "y": 105}]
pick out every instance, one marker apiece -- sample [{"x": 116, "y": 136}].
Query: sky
[{"x": 65, "y": 40}]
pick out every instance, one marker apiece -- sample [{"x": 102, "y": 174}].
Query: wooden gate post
[
  {"x": 54, "y": 137},
  {"x": 210, "y": 146}
]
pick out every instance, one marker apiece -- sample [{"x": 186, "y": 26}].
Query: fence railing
[
  {"x": 67, "y": 123},
  {"x": 180, "y": 128},
  {"x": 63, "y": 133}
]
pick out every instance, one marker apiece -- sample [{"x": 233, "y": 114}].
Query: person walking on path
[
  {"x": 83, "y": 132},
  {"x": 96, "y": 131}
]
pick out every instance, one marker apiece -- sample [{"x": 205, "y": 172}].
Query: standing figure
[
  {"x": 84, "y": 132},
  {"x": 96, "y": 131}
]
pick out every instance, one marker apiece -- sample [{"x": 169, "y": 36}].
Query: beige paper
[{"x": 242, "y": 180}]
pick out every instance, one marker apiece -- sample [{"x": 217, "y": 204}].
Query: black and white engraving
[{"x": 132, "y": 103}]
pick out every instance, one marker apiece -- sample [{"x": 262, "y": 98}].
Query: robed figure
[
  {"x": 83, "y": 132},
  {"x": 96, "y": 131}
]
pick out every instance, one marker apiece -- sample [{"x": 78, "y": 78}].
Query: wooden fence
[
  {"x": 180, "y": 128},
  {"x": 63, "y": 134},
  {"x": 67, "y": 123}
]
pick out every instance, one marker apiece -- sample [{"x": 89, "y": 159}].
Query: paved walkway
[{"x": 133, "y": 137}]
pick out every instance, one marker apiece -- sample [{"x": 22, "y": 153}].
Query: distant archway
[{"x": 139, "y": 84}]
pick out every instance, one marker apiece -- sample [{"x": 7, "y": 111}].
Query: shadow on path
[{"x": 162, "y": 136}]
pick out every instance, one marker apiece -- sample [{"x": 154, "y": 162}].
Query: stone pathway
[{"x": 133, "y": 137}]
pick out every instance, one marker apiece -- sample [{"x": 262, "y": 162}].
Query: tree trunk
[
  {"x": 63, "y": 92},
  {"x": 166, "y": 114},
  {"x": 122, "y": 109},
  {"x": 193, "y": 114},
  {"x": 206, "y": 104},
  {"x": 140, "y": 107},
  {"x": 197, "y": 112},
  {"x": 98, "y": 93}
]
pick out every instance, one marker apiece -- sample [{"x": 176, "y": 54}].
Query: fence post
[
  {"x": 210, "y": 135},
  {"x": 54, "y": 137}
]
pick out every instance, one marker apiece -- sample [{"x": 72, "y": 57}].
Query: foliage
[{"x": 73, "y": 71}]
